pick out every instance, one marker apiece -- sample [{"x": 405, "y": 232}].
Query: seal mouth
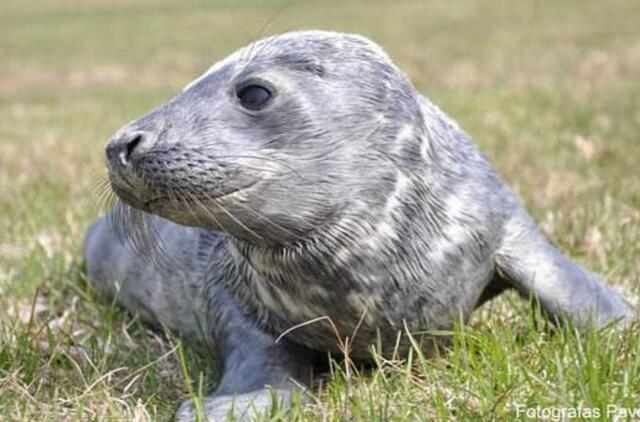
[{"x": 148, "y": 204}]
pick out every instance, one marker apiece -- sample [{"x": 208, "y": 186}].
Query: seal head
[{"x": 274, "y": 142}]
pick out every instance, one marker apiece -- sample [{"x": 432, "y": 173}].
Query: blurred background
[{"x": 550, "y": 91}]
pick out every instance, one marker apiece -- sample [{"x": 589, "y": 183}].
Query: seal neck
[{"x": 361, "y": 248}]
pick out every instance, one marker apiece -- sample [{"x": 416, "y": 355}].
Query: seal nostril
[
  {"x": 128, "y": 148},
  {"x": 132, "y": 144}
]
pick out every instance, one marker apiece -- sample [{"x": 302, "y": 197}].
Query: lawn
[{"x": 549, "y": 90}]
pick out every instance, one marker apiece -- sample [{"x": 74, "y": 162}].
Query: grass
[{"x": 550, "y": 91}]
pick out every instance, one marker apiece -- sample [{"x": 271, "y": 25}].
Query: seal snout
[
  {"x": 128, "y": 146},
  {"x": 125, "y": 152}
]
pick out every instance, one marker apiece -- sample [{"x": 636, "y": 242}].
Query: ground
[{"x": 549, "y": 90}]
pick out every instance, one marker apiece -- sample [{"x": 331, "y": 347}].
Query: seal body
[
  {"x": 306, "y": 192},
  {"x": 414, "y": 253}
]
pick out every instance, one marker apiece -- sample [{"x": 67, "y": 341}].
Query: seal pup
[{"x": 303, "y": 187}]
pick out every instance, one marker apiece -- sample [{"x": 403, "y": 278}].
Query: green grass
[{"x": 550, "y": 91}]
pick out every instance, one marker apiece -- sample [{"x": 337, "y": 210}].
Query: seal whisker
[
  {"x": 246, "y": 53},
  {"x": 264, "y": 44},
  {"x": 104, "y": 193},
  {"x": 137, "y": 229},
  {"x": 150, "y": 237},
  {"x": 231, "y": 215},
  {"x": 293, "y": 170},
  {"x": 266, "y": 219},
  {"x": 192, "y": 200}
]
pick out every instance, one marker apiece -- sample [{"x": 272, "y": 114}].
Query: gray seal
[{"x": 310, "y": 199}]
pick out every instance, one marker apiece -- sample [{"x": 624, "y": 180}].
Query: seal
[{"x": 306, "y": 193}]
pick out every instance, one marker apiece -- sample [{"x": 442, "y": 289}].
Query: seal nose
[{"x": 128, "y": 146}]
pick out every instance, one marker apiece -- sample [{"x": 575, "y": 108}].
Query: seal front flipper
[
  {"x": 256, "y": 370},
  {"x": 563, "y": 288},
  {"x": 255, "y": 376}
]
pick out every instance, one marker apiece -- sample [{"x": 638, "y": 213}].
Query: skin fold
[{"x": 345, "y": 206}]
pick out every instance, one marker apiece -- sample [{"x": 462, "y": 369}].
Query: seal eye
[{"x": 254, "y": 96}]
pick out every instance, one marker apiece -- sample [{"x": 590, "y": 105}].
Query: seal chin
[
  {"x": 193, "y": 210},
  {"x": 129, "y": 194},
  {"x": 125, "y": 195},
  {"x": 152, "y": 204}
]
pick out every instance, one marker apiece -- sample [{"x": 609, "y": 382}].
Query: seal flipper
[
  {"x": 255, "y": 368},
  {"x": 563, "y": 288},
  {"x": 256, "y": 372}
]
